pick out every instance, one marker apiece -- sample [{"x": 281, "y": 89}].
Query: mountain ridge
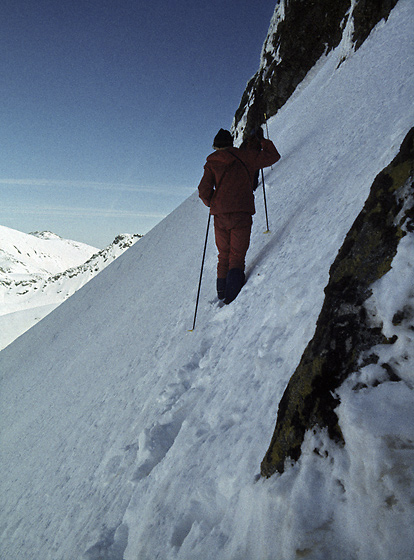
[
  {"x": 35, "y": 276},
  {"x": 39, "y": 252}
]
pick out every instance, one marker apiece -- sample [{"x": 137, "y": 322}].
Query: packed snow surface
[{"x": 124, "y": 436}]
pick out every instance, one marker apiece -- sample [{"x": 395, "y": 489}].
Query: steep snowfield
[
  {"x": 41, "y": 270},
  {"x": 124, "y": 436}
]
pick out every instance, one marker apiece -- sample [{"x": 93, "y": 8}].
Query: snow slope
[
  {"x": 124, "y": 436},
  {"x": 39, "y": 271}
]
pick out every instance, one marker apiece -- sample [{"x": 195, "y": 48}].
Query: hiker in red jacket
[{"x": 230, "y": 177}]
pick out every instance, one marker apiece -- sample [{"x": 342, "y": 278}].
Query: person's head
[{"x": 223, "y": 139}]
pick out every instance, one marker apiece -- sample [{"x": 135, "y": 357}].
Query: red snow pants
[{"x": 232, "y": 233}]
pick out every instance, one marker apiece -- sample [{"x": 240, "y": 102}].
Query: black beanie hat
[{"x": 223, "y": 139}]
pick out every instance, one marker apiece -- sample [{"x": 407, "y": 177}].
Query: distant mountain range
[{"x": 40, "y": 270}]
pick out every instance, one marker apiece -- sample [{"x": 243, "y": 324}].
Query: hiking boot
[
  {"x": 234, "y": 283},
  {"x": 221, "y": 288}
]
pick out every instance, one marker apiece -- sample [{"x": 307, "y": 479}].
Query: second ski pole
[
  {"x": 265, "y": 203},
  {"x": 201, "y": 272}
]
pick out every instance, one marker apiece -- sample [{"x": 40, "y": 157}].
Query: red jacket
[{"x": 227, "y": 183}]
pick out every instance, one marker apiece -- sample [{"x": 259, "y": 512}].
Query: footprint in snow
[{"x": 154, "y": 444}]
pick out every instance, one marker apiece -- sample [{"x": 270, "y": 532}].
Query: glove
[{"x": 259, "y": 133}]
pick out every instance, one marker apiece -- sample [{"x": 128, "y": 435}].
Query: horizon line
[
  {"x": 97, "y": 185},
  {"x": 80, "y": 211}
]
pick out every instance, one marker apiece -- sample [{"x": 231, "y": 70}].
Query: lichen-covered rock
[
  {"x": 302, "y": 31},
  {"x": 344, "y": 334}
]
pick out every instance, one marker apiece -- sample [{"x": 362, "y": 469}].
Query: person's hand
[{"x": 259, "y": 133}]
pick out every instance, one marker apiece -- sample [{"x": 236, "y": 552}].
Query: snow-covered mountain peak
[
  {"x": 41, "y": 253},
  {"x": 39, "y": 271},
  {"x": 45, "y": 235}
]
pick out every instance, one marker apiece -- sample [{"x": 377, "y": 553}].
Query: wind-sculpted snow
[{"x": 126, "y": 437}]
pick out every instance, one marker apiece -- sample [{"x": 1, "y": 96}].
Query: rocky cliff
[
  {"x": 347, "y": 335},
  {"x": 301, "y": 31}
]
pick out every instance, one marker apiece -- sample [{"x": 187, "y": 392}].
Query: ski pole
[
  {"x": 264, "y": 192},
  {"x": 201, "y": 273},
  {"x": 267, "y": 132},
  {"x": 265, "y": 203},
  {"x": 267, "y": 129}
]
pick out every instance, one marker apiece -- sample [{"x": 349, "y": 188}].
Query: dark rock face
[
  {"x": 344, "y": 334},
  {"x": 366, "y": 15},
  {"x": 305, "y": 31}
]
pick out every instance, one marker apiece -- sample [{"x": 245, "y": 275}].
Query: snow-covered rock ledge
[
  {"x": 301, "y": 33},
  {"x": 357, "y": 338}
]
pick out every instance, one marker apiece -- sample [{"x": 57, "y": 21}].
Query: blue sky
[{"x": 108, "y": 108}]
